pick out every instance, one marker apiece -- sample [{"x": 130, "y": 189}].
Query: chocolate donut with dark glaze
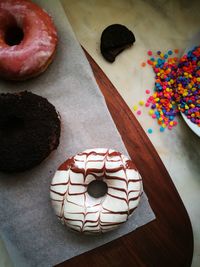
[{"x": 29, "y": 130}]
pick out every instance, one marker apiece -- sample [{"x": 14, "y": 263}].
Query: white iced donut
[{"x": 96, "y": 190}]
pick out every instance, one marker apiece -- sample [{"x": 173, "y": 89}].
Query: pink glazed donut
[
  {"x": 28, "y": 39},
  {"x": 75, "y": 185}
]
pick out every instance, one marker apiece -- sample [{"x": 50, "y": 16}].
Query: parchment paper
[{"x": 32, "y": 233}]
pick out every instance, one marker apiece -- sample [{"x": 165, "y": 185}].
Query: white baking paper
[{"x": 28, "y": 226}]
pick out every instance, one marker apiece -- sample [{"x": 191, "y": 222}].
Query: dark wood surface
[{"x": 168, "y": 240}]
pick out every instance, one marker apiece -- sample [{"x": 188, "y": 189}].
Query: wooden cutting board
[{"x": 164, "y": 242}]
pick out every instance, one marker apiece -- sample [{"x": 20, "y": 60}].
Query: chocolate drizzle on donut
[{"x": 77, "y": 209}]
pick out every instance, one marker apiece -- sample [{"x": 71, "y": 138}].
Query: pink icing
[{"x": 38, "y": 45}]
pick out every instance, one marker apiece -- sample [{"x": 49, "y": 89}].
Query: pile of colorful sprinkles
[
  {"x": 162, "y": 102},
  {"x": 177, "y": 87},
  {"x": 188, "y": 85}
]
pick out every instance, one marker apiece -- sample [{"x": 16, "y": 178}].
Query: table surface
[
  {"x": 157, "y": 25},
  {"x": 166, "y": 241}
]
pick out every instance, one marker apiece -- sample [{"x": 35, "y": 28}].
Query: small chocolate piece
[
  {"x": 114, "y": 39},
  {"x": 29, "y": 130}
]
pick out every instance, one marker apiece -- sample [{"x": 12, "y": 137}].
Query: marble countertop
[{"x": 157, "y": 25}]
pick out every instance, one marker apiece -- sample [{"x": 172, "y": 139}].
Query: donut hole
[
  {"x": 97, "y": 189},
  {"x": 14, "y": 35},
  {"x": 12, "y": 124}
]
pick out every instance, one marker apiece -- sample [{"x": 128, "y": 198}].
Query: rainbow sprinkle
[
  {"x": 176, "y": 88},
  {"x": 162, "y": 101},
  {"x": 150, "y": 131}
]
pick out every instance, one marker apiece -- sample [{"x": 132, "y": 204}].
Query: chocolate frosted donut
[
  {"x": 96, "y": 190},
  {"x": 29, "y": 130},
  {"x": 114, "y": 39}
]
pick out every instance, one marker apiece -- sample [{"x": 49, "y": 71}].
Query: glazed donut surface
[
  {"x": 74, "y": 205},
  {"x": 28, "y": 39}
]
